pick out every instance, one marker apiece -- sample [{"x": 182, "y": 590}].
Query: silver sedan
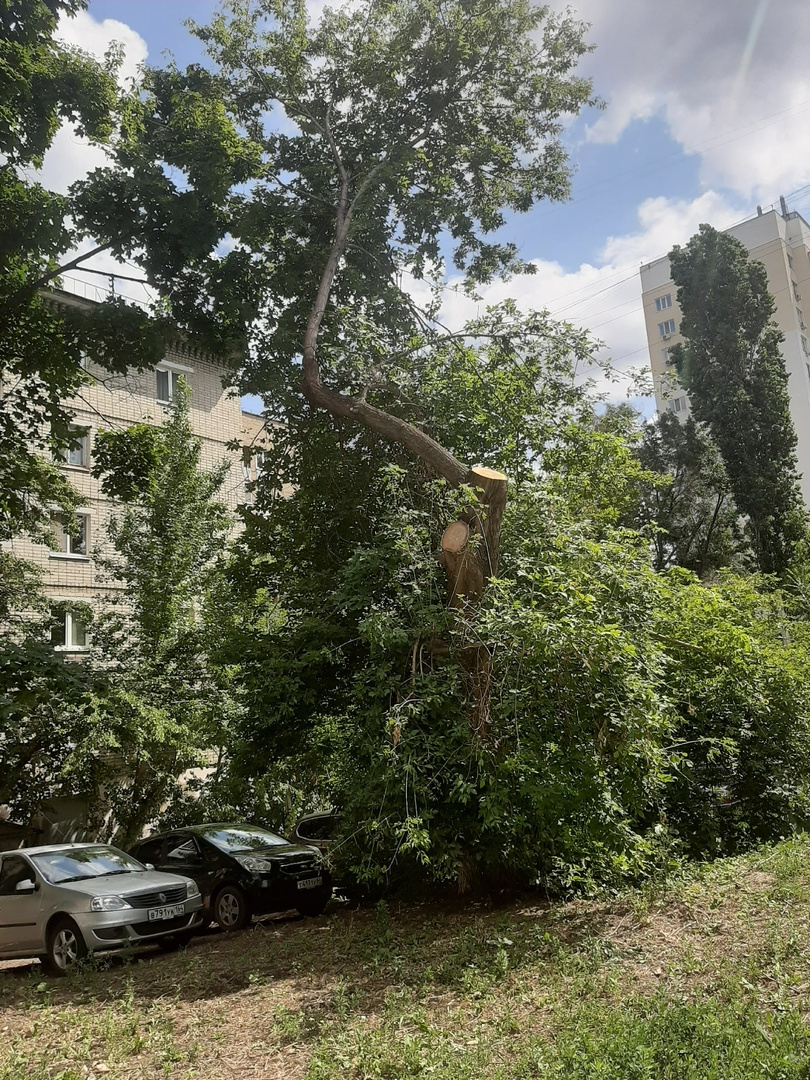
[{"x": 62, "y": 901}]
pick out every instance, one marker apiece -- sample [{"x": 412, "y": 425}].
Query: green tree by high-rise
[{"x": 732, "y": 367}]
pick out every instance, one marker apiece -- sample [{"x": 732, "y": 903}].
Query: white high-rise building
[{"x": 779, "y": 239}]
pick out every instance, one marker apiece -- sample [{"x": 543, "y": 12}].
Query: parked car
[
  {"x": 321, "y": 830},
  {"x": 61, "y": 901},
  {"x": 242, "y": 870}
]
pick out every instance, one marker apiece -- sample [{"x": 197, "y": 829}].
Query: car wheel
[
  {"x": 230, "y": 907},
  {"x": 65, "y": 947},
  {"x": 314, "y": 902}
]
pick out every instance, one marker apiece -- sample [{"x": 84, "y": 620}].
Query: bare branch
[{"x": 34, "y": 285}]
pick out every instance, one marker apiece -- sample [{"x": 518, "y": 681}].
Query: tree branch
[{"x": 33, "y": 286}]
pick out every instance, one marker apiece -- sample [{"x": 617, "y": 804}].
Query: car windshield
[
  {"x": 235, "y": 838},
  {"x": 77, "y": 864}
]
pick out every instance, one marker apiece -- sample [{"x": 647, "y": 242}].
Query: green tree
[
  {"x": 687, "y": 502},
  {"x": 337, "y": 158},
  {"x": 43, "y": 83},
  {"x": 47, "y": 706},
  {"x": 349, "y": 660},
  {"x": 737, "y": 673},
  {"x": 735, "y": 374},
  {"x": 334, "y": 159},
  {"x": 165, "y": 705}
]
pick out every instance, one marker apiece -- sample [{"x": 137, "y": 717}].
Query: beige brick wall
[{"x": 117, "y": 402}]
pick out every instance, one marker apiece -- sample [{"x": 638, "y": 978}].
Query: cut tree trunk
[
  {"x": 470, "y": 549},
  {"x": 470, "y": 546}
]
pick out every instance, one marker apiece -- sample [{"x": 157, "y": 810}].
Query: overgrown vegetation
[{"x": 618, "y": 691}]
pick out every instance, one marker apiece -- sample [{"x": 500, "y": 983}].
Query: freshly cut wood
[
  {"x": 470, "y": 549},
  {"x": 455, "y": 537},
  {"x": 491, "y": 487}
]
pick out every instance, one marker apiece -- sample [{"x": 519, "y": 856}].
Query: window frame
[
  {"x": 9, "y": 858},
  {"x": 663, "y": 302},
  {"x": 69, "y": 622},
  {"x": 82, "y": 442},
  {"x": 172, "y": 371},
  {"x": 664, "y": 328},
  {"x": 65, "y": 551}
]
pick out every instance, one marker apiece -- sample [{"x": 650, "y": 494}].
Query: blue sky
[{"x": 707, "y": 110}]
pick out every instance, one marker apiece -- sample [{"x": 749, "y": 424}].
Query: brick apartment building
[{"x": 72, "y": 575}]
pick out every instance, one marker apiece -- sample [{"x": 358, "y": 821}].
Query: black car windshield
[
  {"x": 77, "y": 864},
  {"x": 235, "y": 838}
]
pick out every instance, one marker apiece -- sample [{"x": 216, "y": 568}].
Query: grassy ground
[{"x": 707, "y": 979}]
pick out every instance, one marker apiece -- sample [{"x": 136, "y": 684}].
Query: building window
[
  {"x": 76, "y": 452},
  {"x": 665, "y": 356},
  {"x": 790, "y": 260},
  {"x": 677, "y": 405},
  {"x": 800, "y": 317},
  {"x": 666, "y": 328},
  {"x": 166, "y": 384},
  {"x": 72, "y": 542},
  {"x": 662, "y": 302},
  {"x": 68, "y": 629},
  {"x": 797, "y": 295},
  {"x": 804, "y": 345}
]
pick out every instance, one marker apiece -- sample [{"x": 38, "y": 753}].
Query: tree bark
[
  {"x": 470, "y": 550},
  {"x": 470, "y": 547}
]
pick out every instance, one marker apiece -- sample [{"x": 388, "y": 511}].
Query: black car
[
  {"x": 320, "y": 830},
  {"x": 242, "y": 870}
]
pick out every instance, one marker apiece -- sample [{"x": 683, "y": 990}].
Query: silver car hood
[{"x": 123, "y": 884}]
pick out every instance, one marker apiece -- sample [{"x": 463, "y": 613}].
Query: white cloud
[
  {"x": 70, "y": 157},
  {"x": 94, "y": 37},
  {"x": 605, "y": 297},
  {"x": 731, "y": 81}
]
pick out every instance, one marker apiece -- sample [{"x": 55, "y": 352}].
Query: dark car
[
  {"x": 321, "y": 830},
  {"x": 242, "y": 870}
]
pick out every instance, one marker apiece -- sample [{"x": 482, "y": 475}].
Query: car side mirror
[
  {"x": 149, "y": 865},
  {"x": 26, "y": 886}
]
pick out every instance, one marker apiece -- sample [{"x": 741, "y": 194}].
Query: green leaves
[
  {"x": 732, "y": 367},
  {"x": 388, "y": 130},
  {"x": 127, "y": 461},
  {"x": 43, "y": 82}
]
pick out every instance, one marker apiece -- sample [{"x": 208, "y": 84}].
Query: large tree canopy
[
  {"x": 292, "y": 185},
  {"x": 734, "y": 371}
]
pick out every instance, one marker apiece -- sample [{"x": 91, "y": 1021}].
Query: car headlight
[
  {"x": 192, "y": 889},
  {"x": 253, "y": 864},
  {"x": 108, "y": 903}
]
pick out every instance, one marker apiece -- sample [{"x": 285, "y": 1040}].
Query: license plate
[
  {"x": 159, "y": 913},
  {"x": 310, "y": 883}
]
